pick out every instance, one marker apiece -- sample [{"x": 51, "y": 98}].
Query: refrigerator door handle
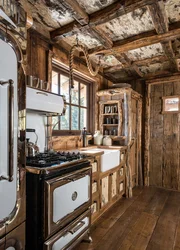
[{"x": 10, "y": 83}]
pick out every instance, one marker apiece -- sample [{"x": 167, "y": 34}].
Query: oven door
[
  {"x": 70, "y": 235},
  {"x": 65, "y": 198}
]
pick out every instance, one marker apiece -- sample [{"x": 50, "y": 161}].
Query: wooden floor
[{"x": 150, "y": 220}]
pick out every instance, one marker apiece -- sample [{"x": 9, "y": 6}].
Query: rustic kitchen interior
[{"x": 90, "y": 124}]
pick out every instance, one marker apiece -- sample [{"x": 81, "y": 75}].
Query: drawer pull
[{"x": 76, "y": 228}]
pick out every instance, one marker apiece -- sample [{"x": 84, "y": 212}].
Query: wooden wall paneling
[
  {"x": 139, "y": 143},
  {"x": 147, "y": 136},
  {"x": 177, "y": 91},
  {"x": 156, "y": 142},
  {"x": 170, "y": 146}
]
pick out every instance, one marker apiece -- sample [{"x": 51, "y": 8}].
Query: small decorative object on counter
[
  {"x": 84, "y": 133},
  {"x": 107, "y": 141},
  {"x": 98, "y": 138}
]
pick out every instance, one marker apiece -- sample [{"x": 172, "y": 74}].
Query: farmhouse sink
[{"x": 109, "y": 159}]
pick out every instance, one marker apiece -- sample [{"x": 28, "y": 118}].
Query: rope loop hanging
[{"x": 71, "y": 63}]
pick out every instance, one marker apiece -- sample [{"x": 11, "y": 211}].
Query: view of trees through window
[{"x": 75, "y": 117}]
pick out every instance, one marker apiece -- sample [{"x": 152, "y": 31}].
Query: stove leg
[{"x": 88, "y": 238}]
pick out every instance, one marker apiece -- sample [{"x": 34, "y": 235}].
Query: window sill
[{"x": 66, "y": 133}]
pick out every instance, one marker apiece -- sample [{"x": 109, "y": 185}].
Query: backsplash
[{"x": 37, "y": 122}]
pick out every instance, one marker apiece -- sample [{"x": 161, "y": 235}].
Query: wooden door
[{"x": 164, "y": 139}]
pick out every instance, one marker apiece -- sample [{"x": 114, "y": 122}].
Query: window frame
[
  {"x": 80, "y": 78},
  {"x": 164, "y": 98}
]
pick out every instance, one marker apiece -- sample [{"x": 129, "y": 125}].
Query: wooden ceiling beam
[
  {"x": 100, "y": 36},
  {"x": 140, "y": 63},
  {"x": 168, "y": 50},
  {"x": 107, "y": 14},
  {"x": 142, "y": 40},
  {"x": 77, "y": 11},
  {"x": 159, "y": 17}
]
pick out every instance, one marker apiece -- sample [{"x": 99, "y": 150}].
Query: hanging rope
[{"x": 71, "y": 62}]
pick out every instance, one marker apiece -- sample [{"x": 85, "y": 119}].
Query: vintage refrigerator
[{"x": 12, "y": 144}]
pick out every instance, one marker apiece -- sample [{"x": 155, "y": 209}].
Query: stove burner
[{"x": 53, "y": 158}]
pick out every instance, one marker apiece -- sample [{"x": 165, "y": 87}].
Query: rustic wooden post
[{"x": 147, "y": 136}]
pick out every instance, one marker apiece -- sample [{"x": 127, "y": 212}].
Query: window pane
[
  {"x": 83, "y": 95},
  {"x": 55, "y": 120},
  {"x": 83, "y": 118},
  {"x": 64, "y": 87},
  {"x": 74, "y": 118},
  {"x": 65, "y": 120},
  {"x": 54, "y": 87},
  {"x": 75, "y": 93},
  {"x": 172, "y": 104}
]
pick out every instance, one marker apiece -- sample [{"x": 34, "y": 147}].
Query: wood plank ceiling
[{"x": 136, "y": 39}]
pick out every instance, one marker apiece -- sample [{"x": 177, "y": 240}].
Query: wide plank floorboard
[{"x": 150, "y": 220}]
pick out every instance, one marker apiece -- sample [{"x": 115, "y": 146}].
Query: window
[
  {"x": 171, "y": 104},
  {"x": 77, "y": 102}
]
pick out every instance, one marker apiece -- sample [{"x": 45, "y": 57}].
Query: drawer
[{"x": 70, "y": 235}]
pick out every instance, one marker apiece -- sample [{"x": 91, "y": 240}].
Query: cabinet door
[
  {"x": 113, "y": 184},
  {"x": 104, "y": 191}
]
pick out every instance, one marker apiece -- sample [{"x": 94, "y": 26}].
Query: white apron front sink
[{"x": 109, "y": 159}]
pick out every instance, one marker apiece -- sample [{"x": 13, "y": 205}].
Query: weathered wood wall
[
  {"x": 39, "y": 55},
  {"x": 164, "y": 139}
]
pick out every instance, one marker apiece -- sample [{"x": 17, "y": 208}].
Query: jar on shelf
[
  {"x": 98, "y": 138},
  {"x": 107, "y": 141}
]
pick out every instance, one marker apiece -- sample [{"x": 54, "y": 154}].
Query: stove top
[{"x": 50, "y": 159}]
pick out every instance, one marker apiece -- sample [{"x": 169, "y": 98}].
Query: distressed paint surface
[
  {"x": 122, "y": 74},
  {"x": 172, "y": 8},
  {"x": 85, "y": 39},
  {"x": 106, "y": 61},
  {"x": 94, "y": 5},
  {"x": 145, "y": 52},
  {"x": 128, "y": 25},
  {"x": 153, "y": 68},
  {"x": 51, "y": 15}
]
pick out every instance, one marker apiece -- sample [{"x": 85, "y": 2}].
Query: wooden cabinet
[
  {"x": 120, "y": 116},
  {"x": 107, "y": 187},
  {"x": 111, "y": 118}
]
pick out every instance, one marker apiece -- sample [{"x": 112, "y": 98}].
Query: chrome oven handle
[
  {"x": 76, "y": 228},
  {"x": 9, "y": 176}
]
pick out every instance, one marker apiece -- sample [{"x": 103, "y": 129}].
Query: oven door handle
[
  {"x": 76, "y": 177},
  {"x": 10, "y": 83},
  {"x": 76, "y": 228}
]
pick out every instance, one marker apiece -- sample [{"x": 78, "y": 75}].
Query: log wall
[
  {"x": 163, "y": 138},
  {"x": 39, "y": 57}
]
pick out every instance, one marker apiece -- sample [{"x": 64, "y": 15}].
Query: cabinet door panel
[
  {"x": 114, "y": 184},
  {"x": 104, "y": 191}
]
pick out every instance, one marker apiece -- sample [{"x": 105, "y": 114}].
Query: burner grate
[{"x": 53, "y": 158}]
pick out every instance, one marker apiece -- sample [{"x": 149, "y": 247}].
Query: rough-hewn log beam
[
  {"x": 77, "y": 11},
  {"x": 107, "y": 14},
  {"x": 101, "y": 36},
  {"x": 144, "y": 62},
  {"x": 165, "y": 79},
  {"x": 142, "y": 40},
  {"x": 158, "y": 15},
  {"x": 167, "y": 47}
]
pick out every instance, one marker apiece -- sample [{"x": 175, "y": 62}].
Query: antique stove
[{"x": 58, "y": 200}]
